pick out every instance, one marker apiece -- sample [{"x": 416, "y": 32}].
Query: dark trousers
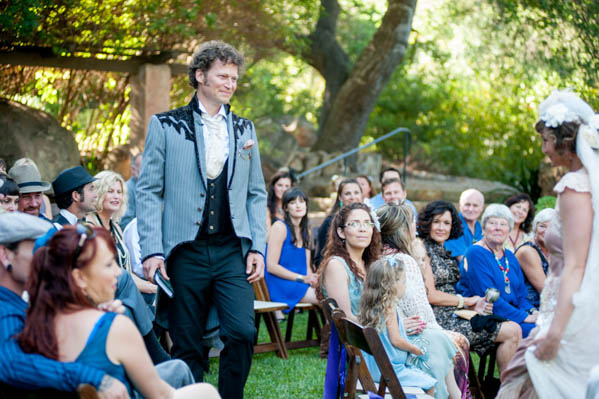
[{"x": 208, "y": 272}]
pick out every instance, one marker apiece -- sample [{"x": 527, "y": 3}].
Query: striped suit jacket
[{"x": 172, "y": 174}]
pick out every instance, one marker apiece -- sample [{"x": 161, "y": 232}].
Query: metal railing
[{"x": 407, "y": 143}]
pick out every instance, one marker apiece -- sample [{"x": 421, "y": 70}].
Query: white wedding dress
[{"x": 567, "y": 374}]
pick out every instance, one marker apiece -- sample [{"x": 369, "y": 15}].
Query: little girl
[{"x": 384, "y": 286}]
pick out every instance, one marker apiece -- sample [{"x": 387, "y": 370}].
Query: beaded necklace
[{"x": 504, "y": 270}]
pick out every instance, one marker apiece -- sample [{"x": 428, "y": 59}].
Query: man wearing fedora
[
  {"x": 31, "y": 188},
  {"x": 202, "y": 163},
  {"x": 75, "y": 194}
]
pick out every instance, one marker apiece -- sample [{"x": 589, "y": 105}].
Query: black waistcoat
[{"x": 216, "y": 218}]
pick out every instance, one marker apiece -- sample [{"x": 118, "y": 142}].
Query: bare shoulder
[
  {"x": 279, "y": 227},
  {"x": 335, "y": 268},
  {"x": 123, "y": 326}
]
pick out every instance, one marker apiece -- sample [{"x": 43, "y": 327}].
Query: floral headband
[
  {"x": 561, "y": 109},
  {"x": 558, "y": 114},
  {"x": 375, "y": 220}
]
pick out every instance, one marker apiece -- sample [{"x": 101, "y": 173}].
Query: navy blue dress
[
  {"x": 532, "y": 294},
  {"x": 94, "y": 352},
  {"x": 287, "y": 291}
]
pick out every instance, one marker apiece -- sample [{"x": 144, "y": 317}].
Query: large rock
[
  {"x": 28, "y": 132},
  {"x": 423, "y": 187}
]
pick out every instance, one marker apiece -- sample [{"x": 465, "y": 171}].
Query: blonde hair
[
  {"x": 105, "y": 179},
  {"x": 396, "y": 222},
  {"x": 381, "y": 293}
]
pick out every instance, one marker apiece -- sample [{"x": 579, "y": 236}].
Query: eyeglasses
[
  {"x": 357, "y": 225},
  {"x": 86, "y": 233}
]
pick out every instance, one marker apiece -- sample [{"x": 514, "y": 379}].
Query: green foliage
[
  {"x": 548, "y": 201},
  {"x": 569, "y": 31},
  {"x": 469, "y": 97}
]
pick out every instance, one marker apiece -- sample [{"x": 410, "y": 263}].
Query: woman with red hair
[{"x": 73, "y": 273}]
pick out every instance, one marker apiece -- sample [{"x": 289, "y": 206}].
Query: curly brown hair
[
  {"x": 207, "y": 53},
  {"x": 381, "y": 292},
  {"x": 432, "y": 209},
  {"x": 336, "y": 246}
]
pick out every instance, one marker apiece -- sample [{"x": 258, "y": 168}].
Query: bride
[{"x": 556, "y": 359}]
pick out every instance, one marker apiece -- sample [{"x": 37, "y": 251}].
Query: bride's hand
[{"x": 547, "y": 347}]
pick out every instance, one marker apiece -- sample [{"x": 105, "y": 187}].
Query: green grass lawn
[{"x": 300, "y": 376}]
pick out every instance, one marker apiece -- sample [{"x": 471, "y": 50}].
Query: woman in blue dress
[
  {"x": 384, "y": 286},
  {"x": 288, "y": 276},
  {"x": 489, "y": 265},
  {"x": 73, "y": 273}
]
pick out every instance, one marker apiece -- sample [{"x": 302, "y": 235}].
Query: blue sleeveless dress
[
  {"x": 287, "y": 291},
  {"x": 94, "y": 352},
  {"x": 407, "y": 375},
  {"x": 354, "y": 288}
]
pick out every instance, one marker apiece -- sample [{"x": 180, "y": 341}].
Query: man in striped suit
[{"x": 202, "y": 165}]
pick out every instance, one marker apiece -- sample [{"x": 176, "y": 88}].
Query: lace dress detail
[{"x": 415, "y": 301}]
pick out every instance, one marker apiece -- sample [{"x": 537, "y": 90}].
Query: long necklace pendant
[{"x": 508, "y": 290}]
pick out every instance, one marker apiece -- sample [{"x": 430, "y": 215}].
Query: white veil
[{"x": 566, "y": 375}]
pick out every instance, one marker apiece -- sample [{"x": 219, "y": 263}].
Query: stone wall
[{"x": 27, "y": 132}]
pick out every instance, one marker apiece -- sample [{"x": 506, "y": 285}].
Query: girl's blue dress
[
  {"x": 287, "y": 291},
  {"x": 408, "y": 376}
]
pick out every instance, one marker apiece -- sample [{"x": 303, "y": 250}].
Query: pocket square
[{"x": 248, "y": 144}]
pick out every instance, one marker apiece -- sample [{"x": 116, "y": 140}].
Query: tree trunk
[{"x": 350, "y": 97}]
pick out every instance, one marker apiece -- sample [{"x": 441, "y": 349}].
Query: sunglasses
[{"x": 85, "y": 233}]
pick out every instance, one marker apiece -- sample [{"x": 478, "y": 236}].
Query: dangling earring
[
  {"x": 8, "y": 267},
  {"x": 340, "y": 204}
]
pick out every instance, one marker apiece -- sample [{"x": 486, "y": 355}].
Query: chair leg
[
  {"x": 351, "y": 380},
  {"x": 474, "y": 381},
  {"x": 289, "y": 329},
  {"x": 275, "y": 334}
]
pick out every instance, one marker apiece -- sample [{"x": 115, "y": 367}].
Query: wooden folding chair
[
  {"x": 357, "y": 338},
  {"x": 485, "y": 379},
  {"x": 315, "y": 323},
  {"x": 263, "y": 307}
]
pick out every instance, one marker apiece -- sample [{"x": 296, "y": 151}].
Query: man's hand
[
  {"x": 150, "y": 266},
  {"x": 111, "y": 388},
  {"x": 115, "y": 306},
  {"x": 255, "y": 267}
]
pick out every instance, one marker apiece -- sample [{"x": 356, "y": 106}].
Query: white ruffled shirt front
[{"x": 216, "y": 140}]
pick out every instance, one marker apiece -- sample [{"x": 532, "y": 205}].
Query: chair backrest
[
  {"x": 261, "y": 290},
  {"x": 368, "y": 340},
  {"x": 328, "y": 307}
]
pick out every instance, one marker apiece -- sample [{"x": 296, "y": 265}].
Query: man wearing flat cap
[
  {"x": 31, "y": 187},
  {"x": 25, "y": 370},
  {"x": 75, "y": 194}
]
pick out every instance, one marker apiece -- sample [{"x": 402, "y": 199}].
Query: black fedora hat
[{"x": 70, "y": 179}]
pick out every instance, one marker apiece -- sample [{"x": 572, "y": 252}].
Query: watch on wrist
[{"x": 300, "y": 279}]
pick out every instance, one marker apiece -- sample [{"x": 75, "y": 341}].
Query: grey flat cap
[{"x": 18, "y": 226}]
